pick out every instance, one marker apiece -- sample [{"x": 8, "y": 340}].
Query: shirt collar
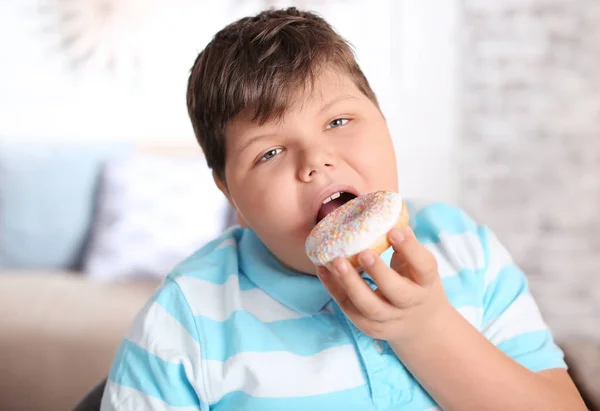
[{"x": 302, "y": 292}]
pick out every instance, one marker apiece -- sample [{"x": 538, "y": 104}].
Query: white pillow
[{"x": 151, "y": 213}]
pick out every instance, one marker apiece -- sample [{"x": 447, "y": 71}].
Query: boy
[{"x": 443, "y": 320}]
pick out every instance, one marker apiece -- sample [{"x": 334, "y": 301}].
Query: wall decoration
[{"x": 105, "y": 33}]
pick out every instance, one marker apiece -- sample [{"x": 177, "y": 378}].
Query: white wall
[
  {"x": 426, "y": 67},
  {"x": 405, "y": 47}
]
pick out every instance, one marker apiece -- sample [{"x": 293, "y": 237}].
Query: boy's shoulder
[
  {"x": 457, "y": 241},
  {"x": 439, "y": 223},
  {"x": 445, "y": 229},
  {"x": 214, "y": 262},
  {"x": 431, "y": 220}
]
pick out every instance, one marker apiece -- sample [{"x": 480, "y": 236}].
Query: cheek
[
  {"x": 374, "y": 157},
  {"x": 373, "y": 146},
  {"x": 267, "y": 199}
]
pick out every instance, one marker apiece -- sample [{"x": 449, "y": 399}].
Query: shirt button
[{"x": 379, "y": 347}]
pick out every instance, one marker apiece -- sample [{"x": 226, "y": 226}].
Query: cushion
[
  {"x": 152, "y": 212},
  {"x": 46, "y": 201}
]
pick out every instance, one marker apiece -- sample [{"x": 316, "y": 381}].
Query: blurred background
[{"x": 493, "y": 105}]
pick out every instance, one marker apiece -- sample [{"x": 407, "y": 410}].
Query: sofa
[
  {"x": 59, "y": 334},
  {"x": 87, "y": 232}
]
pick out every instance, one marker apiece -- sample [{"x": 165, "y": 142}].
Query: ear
[{"x": 221, "y": 185}]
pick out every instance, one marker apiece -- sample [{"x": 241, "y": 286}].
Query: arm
[
  {"x": 157, "y": 364},
  {"x": 512, "y": 364},
  {"x": 459, "y": 367},
  {"x": 462, "y": 370}
]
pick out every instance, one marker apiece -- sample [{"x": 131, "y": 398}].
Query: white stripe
[
  {"x": 163, "y": 336},
  {"x": 126, "y": 398},
  {"x": 329, "y": 308},
  {"x": 455, "y": 252},
  {"x": 272, "y": 374},
  {"x": 219, "y": 301},
  {"x": 522, "y": 316},
  {"x": 499, "y": 258},
  {"x": 226, "y": 243},
  {"x": 434, "y": 409},
  {"x": 473, "y": 315}
]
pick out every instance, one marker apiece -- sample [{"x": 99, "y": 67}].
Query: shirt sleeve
[
  {"x": 511, "y": 318},
  {"x": 157, "y": 365}
]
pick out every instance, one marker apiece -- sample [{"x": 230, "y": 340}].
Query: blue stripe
[
  {"x": 462, "y": 290},
  {"x": 171, "y": 298},
  {"x": 245, "y": 283},
  {"x": 421, "y": 399},
  {"x": 210, "y": 248},
  {"x": 534, "y": 350},
  {"x": 484, "y": 238},
  {"x": 215, "y": 268},
  {"x": 483, "y": 234},
  {"x": 214, "y": 265},
  {"x": 509, "y": 284},
  {"x": 138, "y": 369},
  {"x": 242, "y": 332},
  {"x": 353, "y": 399},
  {"x": 429, "y": 222}
]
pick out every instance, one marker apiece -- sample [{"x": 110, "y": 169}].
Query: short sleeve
[
  {"x": 157, "y": 364},
  {"x": 511, "y": 318}
]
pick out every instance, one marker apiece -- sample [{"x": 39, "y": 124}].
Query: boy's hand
[{"x": 409, "y": 295}]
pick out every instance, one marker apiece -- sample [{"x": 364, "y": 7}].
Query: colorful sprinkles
[{"x": 353, "y": 227}]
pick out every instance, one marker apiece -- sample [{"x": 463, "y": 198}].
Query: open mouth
[{"x": 332, "y": 202}]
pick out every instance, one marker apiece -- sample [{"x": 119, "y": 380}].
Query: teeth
[{"x": 332, "y": 197}]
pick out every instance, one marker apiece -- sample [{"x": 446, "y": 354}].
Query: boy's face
[{"x": 332, "y": 139}]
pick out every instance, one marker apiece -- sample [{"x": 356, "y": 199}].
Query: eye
[
  {"x": 338, "y": 122},
  {"x": 270, "y": 154}
]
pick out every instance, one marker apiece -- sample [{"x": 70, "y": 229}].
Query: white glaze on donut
[{"x": 353, "y": 227}]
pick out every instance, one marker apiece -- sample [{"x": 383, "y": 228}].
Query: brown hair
[{"x": 256, "y": 65}]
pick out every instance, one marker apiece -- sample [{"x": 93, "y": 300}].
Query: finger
[
  {"x": 410, "y": 254},
  {"x": 344, "y": 302},
  {"x": 335, "y": 288},
  {"x": 400, "y": 291},
  {"x": 364, "y": 298}
]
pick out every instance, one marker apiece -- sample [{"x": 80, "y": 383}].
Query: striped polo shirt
[{"x": 231, "y": 329}]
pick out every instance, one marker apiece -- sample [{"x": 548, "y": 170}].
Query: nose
[{"x": 315, "y": 162}]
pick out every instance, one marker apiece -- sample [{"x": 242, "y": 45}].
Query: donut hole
[{"x": 333, "y": 205}]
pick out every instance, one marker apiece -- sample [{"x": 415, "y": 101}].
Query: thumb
[{"x": 411, "y": 258}]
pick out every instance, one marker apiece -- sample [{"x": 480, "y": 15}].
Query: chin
[
  {"x": 300, "y": 268},
  {"x": 310, "y": 269}
]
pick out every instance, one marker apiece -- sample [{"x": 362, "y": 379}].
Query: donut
[{"x": 361, "y": 223}]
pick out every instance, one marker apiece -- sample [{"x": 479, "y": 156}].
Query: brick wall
[{"x": 530, "y": 145}]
